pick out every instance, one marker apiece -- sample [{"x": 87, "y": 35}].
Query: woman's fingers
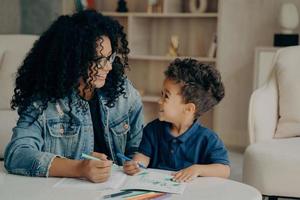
[
  {"x": 101, "y": 156},
  {"x": 103, "y": 163},
  {"x": 99, "y": 177}
]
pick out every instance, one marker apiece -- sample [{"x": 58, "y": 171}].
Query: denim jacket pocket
[
  {"x": 121, "y": 127},
  {"x": 62, "y": 137},
  {"x": 62, "y": 129}
]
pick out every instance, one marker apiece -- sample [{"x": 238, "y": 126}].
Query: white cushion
[
  {"x": 273, "y": 167},
  {"x": 16, "y": 48},
  {"x": 288, "y": 78}
]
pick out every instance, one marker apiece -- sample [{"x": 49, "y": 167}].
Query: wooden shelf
[
  {"x": 115, "y": 14},
  {"x": 168, "y": 58},
  {"x": 162, "y": 15}
]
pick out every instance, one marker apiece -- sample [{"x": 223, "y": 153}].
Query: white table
[{"x": 14, "y": 187}]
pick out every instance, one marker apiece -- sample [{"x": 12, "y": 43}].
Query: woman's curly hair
[
  {"x": 65, "y": 53},
  {"x": 201, "y": 83}
]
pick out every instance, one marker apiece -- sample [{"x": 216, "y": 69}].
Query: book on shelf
[{"x": 213, "y": 47}]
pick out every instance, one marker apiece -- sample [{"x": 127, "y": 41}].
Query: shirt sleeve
[
  {"x": 217, "y": 152},
  {"x": 146, "y": 145}
]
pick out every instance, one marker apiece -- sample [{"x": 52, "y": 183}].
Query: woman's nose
[{"x": 108, "y": 66}]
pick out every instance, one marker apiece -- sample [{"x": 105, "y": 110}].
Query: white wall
[
  {"x": 9, "y": 16},
  {"x": 243, "y": 25}
]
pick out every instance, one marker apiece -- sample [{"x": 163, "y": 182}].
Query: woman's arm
[
  {"x": 94, "y": 170},
  {"x": 23, "y": 154}
]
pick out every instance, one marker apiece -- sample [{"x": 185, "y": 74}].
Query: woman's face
[{"x": 102, "y": 64}]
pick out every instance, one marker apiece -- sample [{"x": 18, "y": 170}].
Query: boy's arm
[
  {"x": 141, "y": 158},
  {"x": 212, "y": 170},
  {"x": 215, "y": 170},
  {"x": 144, "y": 155},
  {"x": 132, "y": 167}
]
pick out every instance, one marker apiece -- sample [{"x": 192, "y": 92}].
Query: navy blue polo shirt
[{"x": 198, "y": 145}]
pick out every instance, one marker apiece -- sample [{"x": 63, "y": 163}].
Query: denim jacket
[{"x": 35, "y": 143}]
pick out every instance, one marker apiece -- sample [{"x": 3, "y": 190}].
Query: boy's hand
[
  {"x": 131, "y": 167},
  {"x": 187, "y": 174},
  {"x": 96, "y": 171}
]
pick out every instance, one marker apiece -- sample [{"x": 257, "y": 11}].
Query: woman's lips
[{"x": 101, "y": 77}]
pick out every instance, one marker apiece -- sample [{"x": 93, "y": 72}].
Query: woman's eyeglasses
[{"x": 102, "y": 61}]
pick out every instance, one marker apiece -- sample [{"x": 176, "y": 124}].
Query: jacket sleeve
[{"x": 23, "y": 154}]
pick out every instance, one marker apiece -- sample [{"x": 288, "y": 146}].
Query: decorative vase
[
  {"x": 288, "y": 18},
  {"x": 122, "y": 6},
  {"x": 198, "y": 6}
]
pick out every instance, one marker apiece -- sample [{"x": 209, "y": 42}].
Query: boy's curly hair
[
  {"x": 201, "y": 83},
  {"x": 64, "y": 53}
]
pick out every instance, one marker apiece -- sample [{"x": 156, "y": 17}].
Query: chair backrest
[
  {"x": 13, "y": 49},
  {"x": 265, "y": 107},
  {"x": 288, "y": 83}
]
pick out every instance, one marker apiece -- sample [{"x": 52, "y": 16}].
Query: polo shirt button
[
  {"x": 174, "y": 140},
  {"x": 172, "y": 151}
]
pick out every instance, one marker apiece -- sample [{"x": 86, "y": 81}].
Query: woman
[{"x": 73, "y": 97}]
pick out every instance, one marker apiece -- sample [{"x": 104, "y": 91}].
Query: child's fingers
[
  {"x": 130, "y": 163},
  {"x": 131, "y": 171},
  {"x": 177, "y": 175},
  {"x": 130, "y": 166},
  {"x": 185, "y": 177},
  {"x": 181, "y": 178},
  {"x": 190, "y": 178}
]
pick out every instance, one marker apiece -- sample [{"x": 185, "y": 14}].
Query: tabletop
[{"x": 35, "y": 188}]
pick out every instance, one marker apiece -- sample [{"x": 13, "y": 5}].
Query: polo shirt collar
[{"x": 183, "y": 137}]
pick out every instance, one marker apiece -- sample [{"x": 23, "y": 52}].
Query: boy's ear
[{"x": 190, "y": 107}]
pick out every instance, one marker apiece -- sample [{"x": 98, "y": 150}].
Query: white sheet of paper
[
  {"x": 115, "y": 181},
  {"x": 155, "y": 181}
]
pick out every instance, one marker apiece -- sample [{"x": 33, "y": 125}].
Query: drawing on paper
[{"x": 154, "y": 181}]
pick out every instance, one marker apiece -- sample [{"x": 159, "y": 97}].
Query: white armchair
[
  {"x": 13, "y": 49},
  {"x": 272, "y": 162}
]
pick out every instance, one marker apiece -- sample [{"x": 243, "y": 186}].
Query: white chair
[
  {"x": 13, "y": 49},
  {"x": 272, "y": 162}
]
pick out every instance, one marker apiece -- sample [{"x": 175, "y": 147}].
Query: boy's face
[{"x": 171, "y": 105}]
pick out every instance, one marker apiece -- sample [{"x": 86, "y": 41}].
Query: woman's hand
[
  {"x": 96, "y": 171},
  {"x": 187, "y": 174},
  {"x": 131, "y": 167}
]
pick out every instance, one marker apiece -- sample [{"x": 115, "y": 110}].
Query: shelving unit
[{"x": 149, "y": 39}]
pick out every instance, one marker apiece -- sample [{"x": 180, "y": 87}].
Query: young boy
[{"x": 177, "y": 141}]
